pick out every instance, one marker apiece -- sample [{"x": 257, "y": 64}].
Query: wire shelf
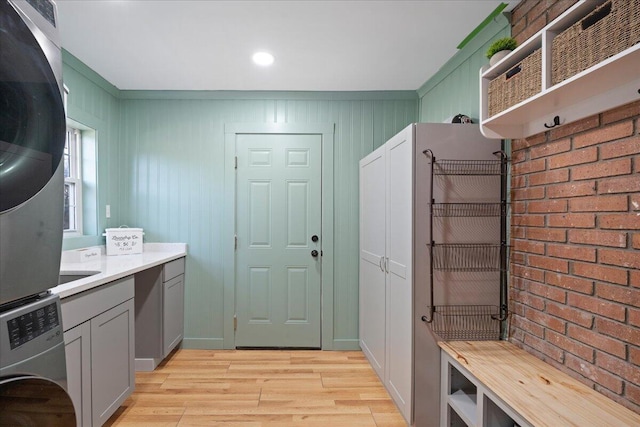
[
  {"x": 468, "y": 167},
  {"x": 466, "y": 322},
  {"x": 467, "y": 209},
  {"x": 468, "y": 257}
]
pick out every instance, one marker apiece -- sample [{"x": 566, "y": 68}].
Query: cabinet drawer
[
  {"x": 79, "y": 308},
  {"x": 173, "y": 269}
]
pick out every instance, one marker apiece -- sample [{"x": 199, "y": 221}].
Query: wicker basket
[
  {"x": 609, "y": 29},
  {"x": 517, "y": 84}
]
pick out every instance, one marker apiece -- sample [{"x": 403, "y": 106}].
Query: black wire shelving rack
[{"x": 469, "y": 322}]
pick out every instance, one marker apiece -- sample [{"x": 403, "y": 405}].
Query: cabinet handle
[
  {"x": 512, "y": 72},
  {"x": 386, "y": 265},
  {"x": 596, "y": 16},
  {"x": 380, "y": 264}
]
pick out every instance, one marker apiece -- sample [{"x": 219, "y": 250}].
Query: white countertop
[{"x": 115, "y": 267}]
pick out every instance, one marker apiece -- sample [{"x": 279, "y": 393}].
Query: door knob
[
  {"x": 314, "y": 238},
  {"x": 314, "y": 253}
]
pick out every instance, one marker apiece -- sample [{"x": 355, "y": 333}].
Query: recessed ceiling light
[{"x": 263, "y": 59}]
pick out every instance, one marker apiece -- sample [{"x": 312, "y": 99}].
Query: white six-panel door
[{"x": 278, "y": 213}]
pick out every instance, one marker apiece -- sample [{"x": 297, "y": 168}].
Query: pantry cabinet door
[
  {"x": 399, "y": 250},
  {"x": 372, "y": 259}
]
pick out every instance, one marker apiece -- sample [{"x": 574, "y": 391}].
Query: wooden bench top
[{"x": 540, "y": 393}]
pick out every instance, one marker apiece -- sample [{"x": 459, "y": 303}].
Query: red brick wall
[{"x": 575, "y": 236}]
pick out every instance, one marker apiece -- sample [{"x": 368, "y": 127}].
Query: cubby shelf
[
  {"x": 466, "y": 402},
  {"x": 608, "y": 84},
  {"x": 465, "y": 406},
  {"x": 497, "y": 384}
]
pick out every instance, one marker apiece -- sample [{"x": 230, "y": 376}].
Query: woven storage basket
[
  {"x": 609, "y": 29},
  {"x": 517, "y": 84}
]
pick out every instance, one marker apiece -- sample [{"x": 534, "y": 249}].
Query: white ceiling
[{"x": 318, "y": 45}]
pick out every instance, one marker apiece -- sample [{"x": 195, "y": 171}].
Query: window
[
  {"x": 80, "y": 218},
  {"x": 72, "y": 218}
]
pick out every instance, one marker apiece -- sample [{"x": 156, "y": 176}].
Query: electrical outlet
[{"x": 108, "y": 211}]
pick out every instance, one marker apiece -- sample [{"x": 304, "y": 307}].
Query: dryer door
[
  {"x": 34, "y": 401},
  {"x": 32, "y": 118}
]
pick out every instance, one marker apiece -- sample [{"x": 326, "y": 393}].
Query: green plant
[{"x": 505, "y": 43}]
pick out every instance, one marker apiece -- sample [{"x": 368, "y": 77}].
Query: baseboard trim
[
  {"x": 346, "y": 344},
  {"x": 217, "y": 344},
  {"x": 146, "y": 364},
  {"x": 203, "y": 343}
]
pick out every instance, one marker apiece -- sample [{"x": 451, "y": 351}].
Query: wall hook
[
  {"x": 556, "y": 122},
  {"x": 426, "y": 319}
]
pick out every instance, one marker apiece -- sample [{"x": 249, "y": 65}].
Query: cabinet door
[
  {"x": 112, "y": 360},
  {"x": 372, "y": 251},
  {"x": 399, "y": 244},
  {"x": 173, "y": 313},
  {"x": 77, "y": 343}
]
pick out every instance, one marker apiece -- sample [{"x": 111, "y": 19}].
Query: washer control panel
[
  {"x": 32, "y": 324},
  {"x": 28, "y": 328}
]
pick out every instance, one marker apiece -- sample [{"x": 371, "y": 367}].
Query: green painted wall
[
  {"x": 455, "y": 88},
  {"x": 161, "y": 164},
  {"x": 160, "y": 167},
  {"x": 94, "y": 102},
  {"x": 171, "y": 170}
]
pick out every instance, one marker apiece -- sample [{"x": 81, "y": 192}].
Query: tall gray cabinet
[{"x": 395, "y": 249}]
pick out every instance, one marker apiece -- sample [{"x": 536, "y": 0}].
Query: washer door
[
  {"x": 32, "y": 118},
  {"x": 31, "y": 401}
]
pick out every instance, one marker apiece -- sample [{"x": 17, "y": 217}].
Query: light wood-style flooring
[{"x": 259, "y": 388}]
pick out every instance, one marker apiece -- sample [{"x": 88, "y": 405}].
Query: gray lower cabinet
[
  {"x": 99, "y": 339},
  {"x": 78, "y": 352},
  {"x": 159, "y": 311},
  {"x": 173, "y": 313},
  {"x": 112, "y": 362}
]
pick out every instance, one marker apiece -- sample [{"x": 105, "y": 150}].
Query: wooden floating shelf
[{"x": 606, "y": 85}]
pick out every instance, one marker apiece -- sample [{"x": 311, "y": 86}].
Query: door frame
[{"x": 326, "y": 132}]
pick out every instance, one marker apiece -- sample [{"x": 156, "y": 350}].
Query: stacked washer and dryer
[{"x": 33, "y": 380}]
